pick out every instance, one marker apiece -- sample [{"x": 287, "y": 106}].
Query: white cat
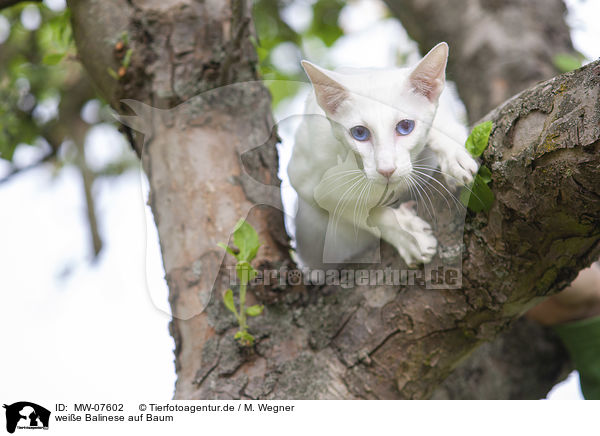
[{"x": 357, "y": 151}]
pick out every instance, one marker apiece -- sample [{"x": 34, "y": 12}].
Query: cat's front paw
[
  {"x": 411, "y": 236},
  {"x": 458, "y": 167},
  {"x": 421, "y": 250},
  {"x": 420, "y": 245}
]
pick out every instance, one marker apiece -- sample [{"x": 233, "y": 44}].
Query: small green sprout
[
  {"x": 245, "y": 239},
  {"x": 122, "y": 53},
  {"x": 127, "y": 58}
]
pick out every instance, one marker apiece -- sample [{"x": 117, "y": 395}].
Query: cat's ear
[
  {"x": 329, "y": 92},
  {"x": 429, "y": 76}
]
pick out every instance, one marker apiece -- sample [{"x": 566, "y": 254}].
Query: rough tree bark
[
  {"x": 382, "y": 342},
  {"x": 498, "y": 48},
  {"x": 180, "y": 49}
]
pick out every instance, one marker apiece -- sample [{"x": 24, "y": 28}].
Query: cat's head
[{"x": 384, "y": 116}]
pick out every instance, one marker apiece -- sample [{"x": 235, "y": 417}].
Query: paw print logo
[{"x": 294, "y": 277}]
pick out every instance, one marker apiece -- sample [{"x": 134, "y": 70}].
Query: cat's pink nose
[{"x": 386, "y": 172}]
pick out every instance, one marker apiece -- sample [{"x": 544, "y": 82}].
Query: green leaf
[
  {"x": 246, "y": 240},
  {"x": 485, "y": 174},
  {"x": 228, "y": 300},
  {"x": 245, "y": 272},
  {"x": 478, "y": 139},
  {"x": 464, "y": 197},
  {"x": 481, "y": 197},
  {"x": 53, "y": 58},
  {"x": 226, "y": 248},
  {"x": 254, "y": 310},
  {"x": 565, "y": 62}
]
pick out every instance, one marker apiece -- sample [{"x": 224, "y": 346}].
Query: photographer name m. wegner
[{"x": 442, "y": 277}]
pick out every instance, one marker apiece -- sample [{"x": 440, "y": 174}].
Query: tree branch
[
  {"x": 497, "y": 49},
  {"x": 88, "y": 177}
]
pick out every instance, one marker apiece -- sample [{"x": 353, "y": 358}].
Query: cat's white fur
[{"x": 330, "y": 169}]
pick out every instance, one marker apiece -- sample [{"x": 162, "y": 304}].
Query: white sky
[{"x": 100, "y": 331}]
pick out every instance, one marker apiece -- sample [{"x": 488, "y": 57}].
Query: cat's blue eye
[
  {"x": 360, "y": 133},
  {"x": 404, "y": 127}
]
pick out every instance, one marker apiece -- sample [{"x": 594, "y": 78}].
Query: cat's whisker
[
  {"x": 450, "y": 193},
  {"x": 356, "y": 203},
  {"x": 342, "y": 173},
  {"x": 428, "y": 185},
  {"x": 420, "y": 175},
  {"x": 419, "y": 189},
  {"x": 431, "y": 209},
  {"x": 367, "y": 209},
  {"x": 355, "y": 179},
  {"x": 421, "y": 160},
  {"x": 358, "y": 210},
  {"x": 412, "y": 191},
  {"x": 346, "y": 202},
  {"x": 338, "y": 186},
  {"x": 437, "y": 170},
  {"x": 449, "y": 175},
  {"x": 419, "y": 183},
  {"x": 340, "y": 182},
  {"x": 340, "y": 203}
]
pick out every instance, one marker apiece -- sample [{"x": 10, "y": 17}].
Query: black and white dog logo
[{"x": 26, "y": 415}]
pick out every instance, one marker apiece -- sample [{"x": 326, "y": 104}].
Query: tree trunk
[
  {"x": 198, "y": 186},
  {"x": 498, "y": 48},
  {"x": 330, "y": 342}
]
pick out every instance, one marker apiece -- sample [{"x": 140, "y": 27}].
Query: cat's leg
[
  {"x": 347, "y": 241},
  {"x": 447, "y": 140},
  {"x": 409, "y": 234},
  {"x": 321, "y": 240},
  {"x": 311, "y": 227}
]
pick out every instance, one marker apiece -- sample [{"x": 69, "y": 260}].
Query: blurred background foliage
[
  {"x": 46, "y": 100},
  {"x": 33, "y": 37},
  {"x": 48, "y": 107},
  {"x": 286, "y": 31}
]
